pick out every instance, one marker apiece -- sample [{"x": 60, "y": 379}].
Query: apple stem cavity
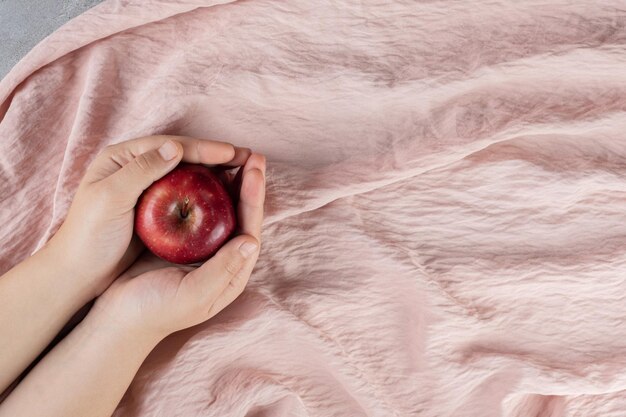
[{"x": 184, "y": 211}]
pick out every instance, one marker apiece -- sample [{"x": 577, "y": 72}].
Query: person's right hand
[
  {"x": 95, "y": 243},
  {"x": 173, "y": 297}
]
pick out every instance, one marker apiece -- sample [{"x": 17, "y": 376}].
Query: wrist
[
  {"x": 52, "y": 264},
  {"x": 101, "y": 322},
  {"x": 55, "y": 258}
]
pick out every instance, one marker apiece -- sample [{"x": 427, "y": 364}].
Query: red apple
[{"x": 185, "y": 216}]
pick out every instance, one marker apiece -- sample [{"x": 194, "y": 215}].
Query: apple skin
[{"x": 186, "y": 216}]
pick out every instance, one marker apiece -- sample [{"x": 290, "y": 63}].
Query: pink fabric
[{"x": 445, "y": 232}]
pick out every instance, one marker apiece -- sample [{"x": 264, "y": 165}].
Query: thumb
[
  {"x": 137, "y": 175},
  {"x": 224, "y": 270}
]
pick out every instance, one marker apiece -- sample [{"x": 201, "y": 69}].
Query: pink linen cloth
[{"x": 446, "y": 195}]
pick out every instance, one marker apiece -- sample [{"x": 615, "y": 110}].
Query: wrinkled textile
[{"x": 446, "y": 194}]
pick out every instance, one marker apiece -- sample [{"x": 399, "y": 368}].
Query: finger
[
  {"x": 228, "y": 178},
  {"x": 256, "y": 161},
  {"x": 252, "y": 197},
  {"x": 231, "y": 179},
  {"x": 250, "y": 207},
  {"x": 240, "y": 158},
  {"x": 225, "y": 174},
  {"x": 234, "y": 288},
  {"x": 132, "y": 179},
  {"x": 234, "y": 187},
  {"x": 238, "y": 179},
  {"x": 210, "y": 280},
  {"x": 251, "y": 218},
  {"x": 196, "y": 151}
]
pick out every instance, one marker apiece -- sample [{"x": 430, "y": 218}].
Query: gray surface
[{"x": 23, "y": 23}]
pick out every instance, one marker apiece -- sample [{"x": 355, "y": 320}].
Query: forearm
[
  {"x": 85, "y": 375},
  {"x": 37, "y": 297}
]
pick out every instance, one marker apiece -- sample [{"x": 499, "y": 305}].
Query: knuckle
[
  {"x": 109, "y": 149},
  {"x": 238, "y": 284},
  {"x": 233, "y": 265},
  {"x": 104, "y": 154},
  {"x": 143, "y": 163}
]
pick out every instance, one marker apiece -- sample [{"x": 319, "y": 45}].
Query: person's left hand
[{"x": 95, "y": 243}]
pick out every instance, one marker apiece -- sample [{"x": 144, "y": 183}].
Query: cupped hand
[
  {"x": 95, "y": 242},
  {"x": 157, "y": 298}
]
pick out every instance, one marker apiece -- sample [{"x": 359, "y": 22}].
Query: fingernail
[
  {"x": 247, "y": 249},
  {"x": 168, "y": 150}
]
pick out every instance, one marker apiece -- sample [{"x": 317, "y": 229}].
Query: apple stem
[{"x": 184, "y": 211}]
